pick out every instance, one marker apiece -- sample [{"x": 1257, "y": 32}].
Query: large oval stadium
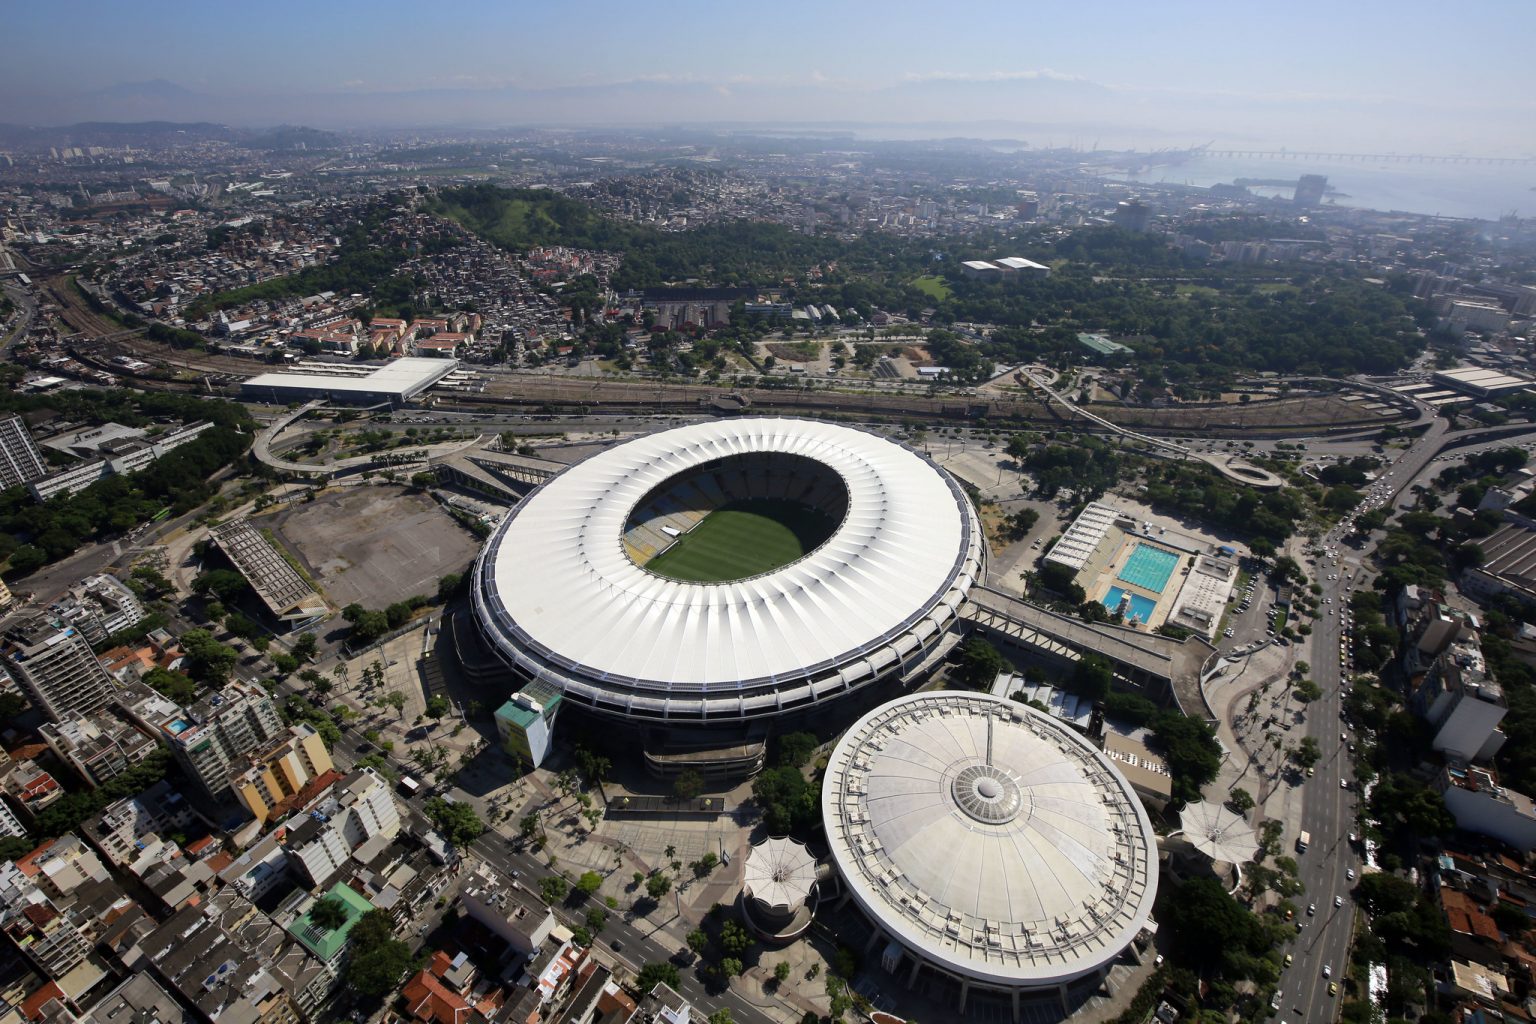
[{"x": 729, "y": 571}]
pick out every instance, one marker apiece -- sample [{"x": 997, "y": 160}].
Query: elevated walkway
[{"x": 1143, "y": 658}]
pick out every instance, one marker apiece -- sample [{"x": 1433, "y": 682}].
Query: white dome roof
[
  {"x": 989, "y": 839},
  {"x": 780, "y": 873},
  {"x": 557, "y": 593}
]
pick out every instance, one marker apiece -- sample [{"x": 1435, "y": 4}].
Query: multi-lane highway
[{"x": 1329, "y": 798}]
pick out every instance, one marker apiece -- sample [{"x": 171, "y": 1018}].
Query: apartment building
[
  {"x": 20, "y": 460},
  {"x": 516, "y": 915},
  {"x": 280, "y": 772},
  {"x": 97, "y": 747},
  {"x": 121, "y": 831},
  {"x": 99, "y": 606},
  {"x": 54, "y": 665},
  {"x": 357, "y": 816},
  {"x": 213, "y": 737}
]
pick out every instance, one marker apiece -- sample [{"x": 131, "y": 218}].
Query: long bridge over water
[{"x": 1391, "y": 158}]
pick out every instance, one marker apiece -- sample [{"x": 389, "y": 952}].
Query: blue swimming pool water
[
  {"x": 1149, "y": 568},
  {"x": 1140, "y": 607}
]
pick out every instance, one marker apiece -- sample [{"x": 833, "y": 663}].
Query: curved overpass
[{"x": 262, "y": 450}]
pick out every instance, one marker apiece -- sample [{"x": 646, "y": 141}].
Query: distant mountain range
[{"x": 163, "y": 133}]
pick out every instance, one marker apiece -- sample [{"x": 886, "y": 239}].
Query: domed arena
[
  {"x": 989, "y": 844},
  {"x": 729, "y": 571}
]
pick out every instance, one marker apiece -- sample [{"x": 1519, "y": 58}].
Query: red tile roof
[
  {"x": 33, "y": 1005},
  {"x": 429, "y": 1000}
]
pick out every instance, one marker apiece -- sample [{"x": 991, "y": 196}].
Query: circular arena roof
[
  {"x": 558, "y": 594},
  {"x": 991, "y": 840}
]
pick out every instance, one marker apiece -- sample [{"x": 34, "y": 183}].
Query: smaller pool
[
  {"x": 176, "y": 727},
  {"x": 1136, "y": 606}
]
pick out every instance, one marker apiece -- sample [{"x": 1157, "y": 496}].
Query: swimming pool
[
  {"x": 1149, "y": 568},
  {"x": 1138, "y": 607}
]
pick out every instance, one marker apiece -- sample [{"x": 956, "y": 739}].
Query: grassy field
[
  {"x": 936, "y": 287},
  {"x": 745, "y": 538}
]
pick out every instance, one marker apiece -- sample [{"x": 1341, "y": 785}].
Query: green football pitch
[{"x": 744, "y": 538}]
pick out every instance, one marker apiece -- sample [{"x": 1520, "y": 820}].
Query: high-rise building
[
  {"x": 10, "y": 825},
  {"x": 55, "y": 666},
  {"x": 48, "y": 937},
  {"x": 98, "y": 747},
  {"x": 1310, "y": 189},
  {"x": 20, "y": 461},
  {"x": 213, "y": 737},
  {"x": 1132, "y": 215},
  {"x": 121, "y": 829},
  {"x": 99, "y": 606},
  {"x": 279, "y": 772},
  {"x": 357, "y": 810}
]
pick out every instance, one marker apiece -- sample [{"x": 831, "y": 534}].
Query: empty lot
[{"x": 375, "y": 545}]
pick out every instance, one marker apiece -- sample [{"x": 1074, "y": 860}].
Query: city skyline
[{"x": 1368, "y": 77}]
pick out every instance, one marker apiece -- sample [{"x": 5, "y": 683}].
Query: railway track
[{"x": 106, "y": 338}]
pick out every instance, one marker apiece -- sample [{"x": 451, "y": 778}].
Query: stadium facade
[
  {"x": 989, "y": 844},
  {"x": 561, "y": 593}
]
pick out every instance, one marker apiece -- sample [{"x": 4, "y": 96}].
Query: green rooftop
[
  {"x": 536, "y": 692},
  {"x": 1102, "y": 345},
  {"x": 327, "y": 942}
]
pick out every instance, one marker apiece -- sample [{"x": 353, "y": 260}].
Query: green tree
[
  {"x": 1093, "y": 676},
  {"x": 554, "y": 889},
  {"x": 734, "y": 939},
  {"x": 1240, "y": 800},
  {"x": 688, "y": 785},
  {"x": 657, "y": 886},
  {"x": 1307, "y": 753},
  {"x": 457, "y": 822},
  {"x": 781, "y": 971},
  {"x": 378, "y": 960},
  {"x": 788, "y": 802},
  {"x": 980, "y": 662},
  {"x": 224, "y": 584},
  {"x": 304, "y": 647},
  {"x": 1190, "y": 750},
  {"x": 328, "y": 913},
  {"x": 208, "y": 661},
  {"x": 589, "y": 883},
  {"x": 653, "y": 974},
  {"x": 795, "y": 749},
  {"x": 173, "y": 685},
  {"x": 698, "y": 941},
  {"x": 394, "y": 699},
  {"x": 437, "y": 707}
]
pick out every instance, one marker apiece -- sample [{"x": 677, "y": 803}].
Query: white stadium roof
[
  {"x": 558, "y": 596},
  {"x": 988, "y": 839}
]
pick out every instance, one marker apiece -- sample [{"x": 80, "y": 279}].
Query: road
[
  {"x": 1328, "y": 808},
  {"x": 642, "y": 939}
]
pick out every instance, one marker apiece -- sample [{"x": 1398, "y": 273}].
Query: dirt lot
[{"x": 375, "y": 545}]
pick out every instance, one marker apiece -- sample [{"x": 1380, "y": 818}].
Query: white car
[
  {"x": 1350, "y": 873},
  {"x": 1338, "y": 901},
  {"x": 1327, "y": 970}
]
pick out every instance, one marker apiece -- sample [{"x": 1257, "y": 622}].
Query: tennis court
[
  {"x": 1149, "y": 568},
  {"x": 1139, "y": 607}
]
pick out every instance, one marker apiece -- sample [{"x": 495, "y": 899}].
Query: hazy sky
[{"x": 1407, "y": 75}]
